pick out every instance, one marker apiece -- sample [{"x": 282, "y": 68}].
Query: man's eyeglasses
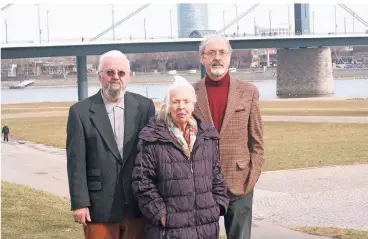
[
  {"x": 111, "y": 73},
  {"x": 213, "y": 53}
]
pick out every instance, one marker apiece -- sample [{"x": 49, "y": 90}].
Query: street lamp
[
  {"x": 39, "y": 22},
  {"x": 144, "y": 26},
  {"x": 288, "y": 6},
  {"x": 269, "y": 16},
  {"x": 353, "y": 22},
  {"x": 113, "y": 21},
  {"x": 223, "y": 21},
  {"x": 313, "y": 20},
  {"x": 335, "y": 19},
  {"x": 48, "y": 29},
  {"x": 237, "y": 20},
  {"x": 170, "y": 25}
]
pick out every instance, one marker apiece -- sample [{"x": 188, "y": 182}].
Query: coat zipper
[
  {"x": 195, "y": 146},
  {"x": 194, "y": 190}
]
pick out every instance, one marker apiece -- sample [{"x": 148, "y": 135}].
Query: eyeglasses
[
  {"x": 111, "y": 73},
  {"x": 213, "y": 53}
]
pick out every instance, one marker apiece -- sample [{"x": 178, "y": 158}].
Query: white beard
[
  {"x": 114, "y": 94},
  {"x": 217, "y": 72}
]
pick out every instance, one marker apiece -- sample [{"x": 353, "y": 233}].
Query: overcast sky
[{"x": 74, "y": 21}]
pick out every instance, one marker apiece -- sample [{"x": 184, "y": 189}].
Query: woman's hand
[{"x": 163, "y": 221}]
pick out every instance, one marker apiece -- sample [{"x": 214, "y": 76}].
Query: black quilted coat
[{"x": 190, "y": 192}]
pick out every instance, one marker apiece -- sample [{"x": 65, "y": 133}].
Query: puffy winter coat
[{"x": 189, "y": 192}]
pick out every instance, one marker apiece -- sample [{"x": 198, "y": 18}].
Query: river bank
[{"x": 150, "y": 78}]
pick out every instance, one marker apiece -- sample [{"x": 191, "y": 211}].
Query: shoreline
[
  {"x": 5, "y": 84},
  {"x": 45, "y": 81}
]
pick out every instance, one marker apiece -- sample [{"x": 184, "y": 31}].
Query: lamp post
[
  {"x": 48, "y": 29},
  {"x": 237, "y": 21},
  {"x": 6, "y": 32},
  {"x": 313, "y": 20},
  {"x": 269, "y": 17},
  {"x": 223, "y": 21},
  {"x": 39, "y": 22},
  {"x": 113, "y": 21},
  {"x": 171, "y": 36}
]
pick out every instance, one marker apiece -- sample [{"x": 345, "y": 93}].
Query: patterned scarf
[{"x": 191, "y": 129}]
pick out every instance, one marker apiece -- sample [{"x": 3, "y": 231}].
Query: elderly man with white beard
[
  {"x": 101, "y": 146},
  {"x": 232, "y": 107}
]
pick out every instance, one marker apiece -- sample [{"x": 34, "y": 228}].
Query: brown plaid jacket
[{"x": 241, "y": 135}]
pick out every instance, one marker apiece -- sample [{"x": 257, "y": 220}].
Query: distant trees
[{"x": 147, "y": 62}]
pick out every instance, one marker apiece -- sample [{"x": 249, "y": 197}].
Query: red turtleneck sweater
[{"x": 217, "y": 92}]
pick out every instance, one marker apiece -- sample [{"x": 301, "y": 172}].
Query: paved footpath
[{"x": 330, "y": 196}]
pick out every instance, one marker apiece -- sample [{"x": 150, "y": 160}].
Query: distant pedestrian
[{"x": 6, "y": 132}]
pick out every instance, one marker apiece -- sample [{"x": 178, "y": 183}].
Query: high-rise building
[{"x": 192, "y": 17}]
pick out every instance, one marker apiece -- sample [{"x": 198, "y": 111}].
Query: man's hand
[
  {"x": 163, "y": 221},
  {"x": 81, "y": 215}
]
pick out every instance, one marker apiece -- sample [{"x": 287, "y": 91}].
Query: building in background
[{"x": 191, "y": 17}]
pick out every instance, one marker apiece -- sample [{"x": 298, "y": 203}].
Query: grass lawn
[
  {"x": 28, "y": 213},
  {"x": 268, "y": 107},
  {"x": 288, "y": 145},
  {"x": 337, "y": 233}
]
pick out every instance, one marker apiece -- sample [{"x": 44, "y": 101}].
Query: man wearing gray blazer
[{"x": 101, "y": 145}]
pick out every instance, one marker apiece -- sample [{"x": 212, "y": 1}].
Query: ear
[
  {"x": 99, "y": 74},
  {"x": 202, "y": 59}
]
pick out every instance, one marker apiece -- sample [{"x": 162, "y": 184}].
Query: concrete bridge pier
[
  {"x": 82, "y": 77},
  {"x": 304, "y": 72}
]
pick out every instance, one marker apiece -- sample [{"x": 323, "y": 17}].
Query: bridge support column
[
  {"x": 82, "y": 77},
  {"x": 203, "y": 71},
  {"x": 304, "y": 72}
]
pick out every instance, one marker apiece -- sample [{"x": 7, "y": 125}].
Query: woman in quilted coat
[{"x": 177, "y": 177}]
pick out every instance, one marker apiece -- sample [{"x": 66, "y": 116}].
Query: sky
[{"x": 71, "y": 22}]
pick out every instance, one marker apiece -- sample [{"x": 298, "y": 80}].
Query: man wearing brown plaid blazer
[{"x": 232, "y": 107}]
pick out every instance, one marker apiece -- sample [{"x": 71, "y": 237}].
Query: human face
[
  {"x": 114, "y": 77},
  {"x": 181, "y": 107},
  {"x": 216, "y": 58}
]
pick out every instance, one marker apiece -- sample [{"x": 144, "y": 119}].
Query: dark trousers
[
  {"x": 6, "y": 137},
  {"x": 238, "y": 218}
]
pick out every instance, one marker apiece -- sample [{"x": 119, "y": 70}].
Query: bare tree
[{"x": 162, "y": 58}]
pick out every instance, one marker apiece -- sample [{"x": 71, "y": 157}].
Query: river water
[{"x": 357, "y": 88}]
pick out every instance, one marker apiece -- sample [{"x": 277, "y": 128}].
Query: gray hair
[
  {"x": 202, "y": 46},
  {"x": 180, "y": 84},
  {"x": 112, "y": 54}
]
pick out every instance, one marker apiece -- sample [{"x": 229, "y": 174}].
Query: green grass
[
  {"x": 336, "y": 233},
  {"x": 44, "y": 130},
  {"x": 297, "y": 145},
  {"x": 288, "y": 145},
  {"x": 28, "y": 214},
  {"x": 268, "y": 107}
]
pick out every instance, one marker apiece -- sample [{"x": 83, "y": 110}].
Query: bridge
[{"x": 304, "y": 61}]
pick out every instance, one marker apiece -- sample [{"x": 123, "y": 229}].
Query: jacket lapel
[
  {"x": 131, "y": 122},
  {"x": 101, "y": 121},
  {"x": 233, "y": 97},
  {"x": 202, "y": 102}
]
